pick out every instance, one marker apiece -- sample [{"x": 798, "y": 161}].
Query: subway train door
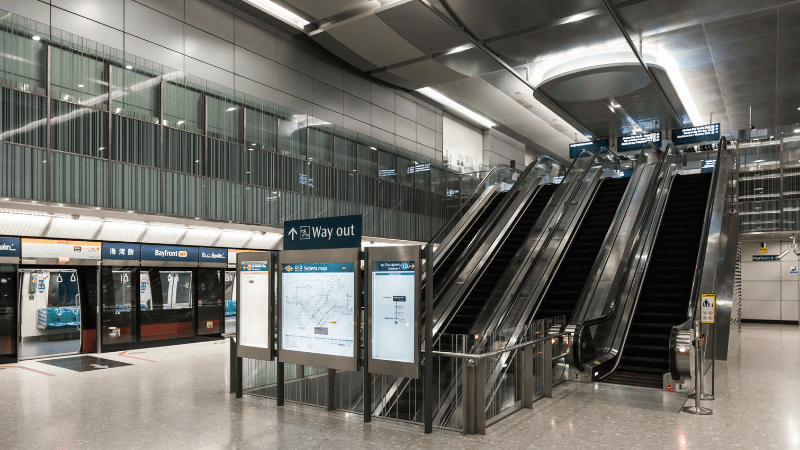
[
  {"x": 8, "y": 316},
  {"x": 49, "y": 313}
]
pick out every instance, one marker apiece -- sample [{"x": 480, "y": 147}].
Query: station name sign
[
  {"x": 169, "y": 253},
  {"x": 637, "y": 141},
  {"x": 765, "y": 257},
  {"x": 10, "y": 247},
  {"x": 121, "y": 251},
  {"x": 331, "y": 232},
  {"x": 592, "y": 146},
  {"x": 213, "y": 255},
  {"x": 694, "y": 135}
]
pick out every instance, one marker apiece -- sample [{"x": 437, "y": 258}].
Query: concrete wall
[
  {"x": 769, "y": 288},
  {"x": 214, "y": 41}
]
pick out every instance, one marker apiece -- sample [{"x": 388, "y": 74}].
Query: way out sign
[
  {"x": 330, "y": 232},
  {"x": 707, "y": 305}
]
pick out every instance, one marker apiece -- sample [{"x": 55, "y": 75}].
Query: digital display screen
[
  {"x": 255, "y": 311},
  {"x": 694, "y": 135},
  {"x": 592, "y": 146},
  {"x": 393, "y": 315},
  {"x": 318, "y": 308},
  {"x": 637, "y": 141}
]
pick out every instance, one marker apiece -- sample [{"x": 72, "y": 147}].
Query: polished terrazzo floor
[{"x": 175, "y": 398}]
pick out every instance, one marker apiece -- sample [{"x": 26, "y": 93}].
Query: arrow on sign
[
  {"x": 97, "y": 366},
  {"x": 293, "y": 233}
]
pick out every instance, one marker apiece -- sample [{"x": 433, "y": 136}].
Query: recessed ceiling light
[
  {"x": 129, "y": 67},
  {"x": 280, "y": 12},
  {"x": 232, "y": 108},
  {"x": 180, "y": 122},
  {"x": 37, "y": 38},
  {"x": 80, "y": 85}
]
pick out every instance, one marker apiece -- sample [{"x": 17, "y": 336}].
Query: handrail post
[
  {"x": 469, "y": 403},
  {"x": 480, "y": 396},
  {"x": 527, "y": 376},
  {"x": 547, "y": 373},
  {"x": 698, "y": 409}
]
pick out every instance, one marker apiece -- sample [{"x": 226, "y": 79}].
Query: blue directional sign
[
  {"x": 694, "y": 135},
  {"x": 592, "y": 146},
  {"x": 9, "y": 246},
  {"x": 330, "y": 232}
]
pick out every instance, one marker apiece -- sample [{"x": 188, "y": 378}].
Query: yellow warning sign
[
  {"x": 669, "y": 388},
  {"x": 707, "y": 306},
  {"x": 763, "y": 250}
]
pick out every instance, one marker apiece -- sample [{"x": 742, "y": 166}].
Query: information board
[
  {"x": 694, "y": 135},
  {"x": 61, "y": 249},
  {"x": 393, "y": 310},
  {"x": 637, "y": 141},
  {"x": 318, "y": 308},
  {"x": 707, "y": 307},
  {"x": 254, "y": 306},
  {"x": 591, "y": 146}
]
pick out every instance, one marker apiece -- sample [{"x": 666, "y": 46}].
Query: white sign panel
[
  {"x": 57, "y": 248},
  {"x": 707, "y": 305},
  {"x": 255, "y": 311},
  {"x": 393, "y": 291},
  {"x": 318, "y": 308}
]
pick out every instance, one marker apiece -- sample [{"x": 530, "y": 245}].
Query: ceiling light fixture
[
  {"x": 37, "y": 38},
  {"x": 452, "y": 104},
  {"x": 797, "y": 130},
  {"x": 80, "y": 85},
  {"x": 129, "y": 67},
  {"x": 279, "y": 12},
  {"x": 577, "y": 17},
  {"x": 232, "y": 108}
]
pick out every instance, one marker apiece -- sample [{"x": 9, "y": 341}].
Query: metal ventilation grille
[
  {"x": 234, "y": 239},
  {"x": 735, "y": 336},
  {"x": 760, "y": 186},
  {"x": 204, "y": 237},
  {"x": 121, "y": 231},
  {"x": 159, "y": 234},
  {"x": 13, "y": 224},
  {"x": 67, "y": 227}
]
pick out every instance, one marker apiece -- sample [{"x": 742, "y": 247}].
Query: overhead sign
[
  {"x": 765, "y": 257},
  {"x": 127, "y": 252},
  {"x": 763, "y": 250},
  {"x": 213, "y": 255},
  {"x": 169, "y": 253},
  {"x": 10, "y": 247},
  {"x": 637, "y": 141},
  {"x": 60, "y": 249},
  {"x": 331, "y": 232},
  {"x": 592, "y": 146},
  {"x": 707, "y": 165},
  {"x": 694, "y": 135},
  {"x": 707, "y": 307}
]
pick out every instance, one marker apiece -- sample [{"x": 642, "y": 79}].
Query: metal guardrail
[{"x": 474, "y": 385}]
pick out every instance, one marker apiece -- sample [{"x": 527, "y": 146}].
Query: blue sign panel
[
  {"x": 10, "y": 247},
  {"x": 214, "y": 255},
  {"x": 637, "y": 141},
  {"x": 592, "y": 146},
  {"x": 707, "y": 166},
  {"x": 128, "y": 252},
  {"x": 765, "y": 258},
  {"x": 169, "y": 253},
  {"x": 331, "y": 232},
  {"x": 694, "y": 135},
  {"x": 393, "y": 266}
]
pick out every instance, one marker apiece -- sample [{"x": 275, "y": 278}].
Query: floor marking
[
  {"x": 28, "y": 368},
  {"x": 134, "y": 357}
]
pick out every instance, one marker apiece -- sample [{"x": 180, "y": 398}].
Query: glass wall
[{"x": 108, "y": 129}]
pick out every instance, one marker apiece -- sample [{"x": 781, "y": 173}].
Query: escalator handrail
[
  {"x": 584, "y": 325},
  {"x": 466, "y": 203},
  {"x": 701, "y": 257}
]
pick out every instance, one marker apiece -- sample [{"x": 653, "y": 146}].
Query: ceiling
[{"x": 550, "y": 72}]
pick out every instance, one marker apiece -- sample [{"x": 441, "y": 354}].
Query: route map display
[
  {"x": 393, "y": 310},
  {"x": 318, "y": 308}
]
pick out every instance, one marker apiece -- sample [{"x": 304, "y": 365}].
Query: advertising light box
[
  {"x": 318, "y": 308},
  {"x": 393, "y": 310},
  {"x": 254, "y": 306}
]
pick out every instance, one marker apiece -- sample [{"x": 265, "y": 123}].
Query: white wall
[
  {"x": 214, "y": 41},
  {"x": 769, "y": 288},
  {"x": 463, "y": 144}
]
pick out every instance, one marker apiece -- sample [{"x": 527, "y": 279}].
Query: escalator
[
  {"x": 667, "y": 287},
  {"x": 565, "y": 290},
  {"x": 410, "y": 401},
  {"x": 443, "y": 267},
  {"x": 473, "y": 304}
]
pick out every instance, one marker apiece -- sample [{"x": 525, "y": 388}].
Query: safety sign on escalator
[{"x": 707, "y": 306}]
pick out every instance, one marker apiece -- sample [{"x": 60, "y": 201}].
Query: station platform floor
[{"x": 176, "y": 397}]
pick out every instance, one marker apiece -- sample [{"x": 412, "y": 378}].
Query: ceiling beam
[
  {"x": 541, "y": 96},
  {"x": 635, "y": 50}
]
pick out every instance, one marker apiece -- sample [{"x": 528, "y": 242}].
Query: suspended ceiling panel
[{"x": 374, "y": 41}]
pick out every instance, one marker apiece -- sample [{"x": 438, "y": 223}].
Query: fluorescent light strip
[
  {"x": 463, "y": 110},
  {"x": 279, "y": 12}
]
